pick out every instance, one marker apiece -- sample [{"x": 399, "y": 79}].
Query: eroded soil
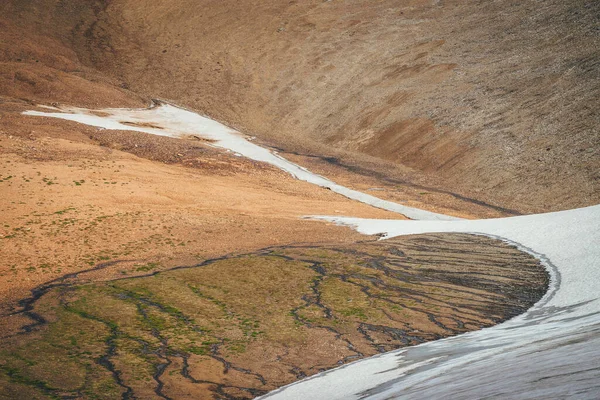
[
  {"x": 132, "y": 267},
  {"x": 146, "y": 267},
  {"x": 495, "y": 101}
]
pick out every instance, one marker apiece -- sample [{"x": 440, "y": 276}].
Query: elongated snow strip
[{"x": 168, "y": 120}]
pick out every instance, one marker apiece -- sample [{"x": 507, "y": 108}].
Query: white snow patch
[{"x": 551, "y": 351}]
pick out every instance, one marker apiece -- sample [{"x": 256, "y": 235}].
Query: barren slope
[{"x": 496, "y": 100}]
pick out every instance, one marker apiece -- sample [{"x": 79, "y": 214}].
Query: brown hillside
[{"x": 496, "y": 101}]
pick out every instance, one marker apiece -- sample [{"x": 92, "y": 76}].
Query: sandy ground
[
  {"x": 369, "y": 179},
  {"x": 421, "y": 102},
  {"x": 171, "y": 200},
  {"x": 476, "y": 98}
]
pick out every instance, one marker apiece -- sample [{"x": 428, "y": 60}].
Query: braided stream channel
[{"x": 239, "y": 326}]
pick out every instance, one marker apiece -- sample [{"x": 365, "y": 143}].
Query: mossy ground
[{"x": 240, "y": 326}]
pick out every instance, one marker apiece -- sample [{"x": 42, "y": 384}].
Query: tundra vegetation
[{"x": 238, "y": 326}]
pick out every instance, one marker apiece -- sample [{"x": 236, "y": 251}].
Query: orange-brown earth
[
  {"x": 68, "y": 203},
  {"x": 88, "y": 214}
]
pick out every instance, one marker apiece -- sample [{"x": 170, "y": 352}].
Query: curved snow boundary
[
  {"x": 167, "y": 120},
  {"x": 550, "y": 351}
]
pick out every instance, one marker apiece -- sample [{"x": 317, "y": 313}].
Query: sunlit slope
[{"x": 39, "y": 62}]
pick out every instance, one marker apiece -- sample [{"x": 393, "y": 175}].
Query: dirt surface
[
  {"x": 135, "y": 265},
  {"x": 236, "y": 327},
  {"x": 369, "y": 178},
  {"x": 496, "y": 101},
  {"x": 40, "y": 66}
]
